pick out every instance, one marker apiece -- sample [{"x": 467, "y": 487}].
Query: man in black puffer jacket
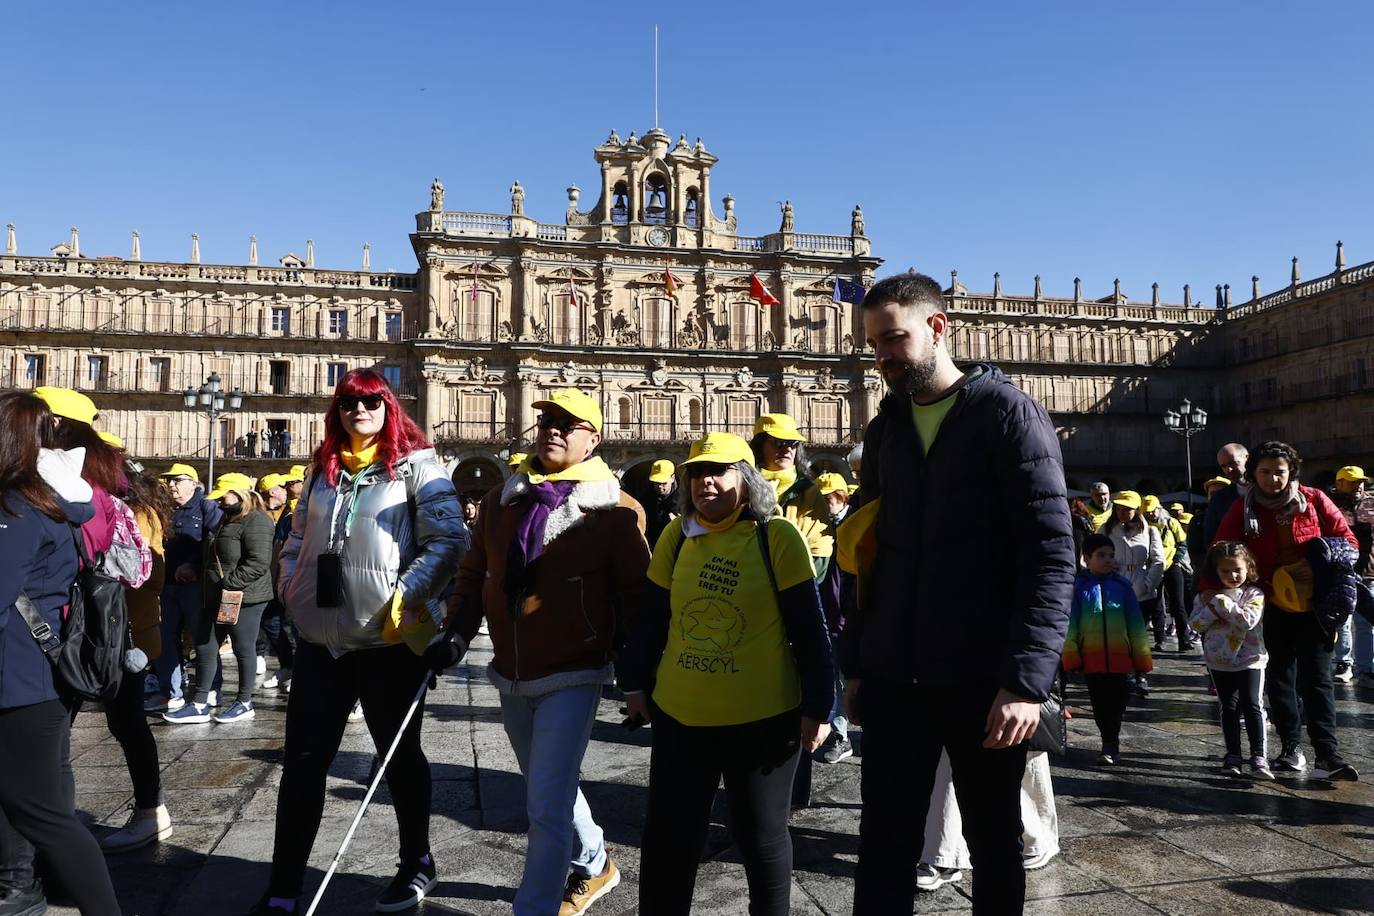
[{"x": 960, "y": 637}]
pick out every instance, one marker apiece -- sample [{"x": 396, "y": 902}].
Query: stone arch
[{"x": 476, "y": 472}]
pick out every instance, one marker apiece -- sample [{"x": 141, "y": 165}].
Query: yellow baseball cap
[
  {"x": 111, "y": 439},
  {"x": 1173, "y": 506},
  {"x": 1186, "y": 518},
  {"x": 720, "y": 448},
  {"x": 574, "y": 402},
  {"x": 64, "y": 402},
  {"x": 831, "y": 483},
  {"x": 1350, "y": 473},
  {"x": 518, "y": 459},
  {"x": 231, "y": 481},
  {"x": 1128, "y": 498},
  {"x": 1215, "y": 482},
  {"x": 779, "y": 426},
  {"x": 267, "y": 481},
  {"x": 1150, "y": 503},
  {"x": 295, "y": 475},
  {"x": 662, "y": 471},
  {"x": 181, "y": 470}
]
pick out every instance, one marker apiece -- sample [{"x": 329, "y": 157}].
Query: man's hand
[
  {"x": 444, "y": 653},
  {"x": 1011, "y": 720},
  {"x": 185, "y": 573},
  {"x": 638, "y": 705},
  {"x": 813, "y": 734},
  {"x": 851, "y": 700}
]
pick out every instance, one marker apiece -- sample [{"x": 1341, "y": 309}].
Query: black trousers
[
  {"x": 1300, "y": 665},
  {"x": 1173, "y": 594},
  {"x": 37, "y": 797},
  {"x": 1238, "y": 692},
  {"x": 126, "y": 720},
  {"x": 1108, "y": 693},
  {"x": 242, "y": 636},
  {"x": 323, "y": 691},
  {"x": 1152, "y": 609},
  {"x": 905, "y": 727},
  {"x": 756, "y": 761},
  {"x": 277, "y": 634}
]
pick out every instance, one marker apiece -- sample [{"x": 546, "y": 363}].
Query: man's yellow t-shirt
[{"x": 727, "y": 660}]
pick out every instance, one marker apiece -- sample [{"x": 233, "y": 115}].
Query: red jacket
[{"x": 1322, "y": 519}]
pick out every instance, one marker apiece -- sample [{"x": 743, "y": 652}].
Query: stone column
[
  {"x": 524, "y": 386},
  {"x": 435, "y": 302},
  {"x": 433, "y": 400},
  {"x": 872, "y": 394}
]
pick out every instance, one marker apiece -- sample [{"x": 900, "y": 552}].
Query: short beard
[{"x": 917, "y": 378}]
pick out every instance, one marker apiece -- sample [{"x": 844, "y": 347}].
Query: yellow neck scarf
[
  {"x": 724, "y": 524},
  {"x": 781, "y": 480},
  {"x": 356, "y": 461},
  {"x": 593, "y": 470}
]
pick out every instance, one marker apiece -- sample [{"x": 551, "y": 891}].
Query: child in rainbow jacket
[{"x": 1107, "y": 640}]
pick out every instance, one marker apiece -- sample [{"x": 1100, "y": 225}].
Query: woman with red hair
[{"x": 375, "y": 538}]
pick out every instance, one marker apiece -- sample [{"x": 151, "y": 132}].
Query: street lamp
[
  {"x": 1187, "y": 422},
  {"x": 211, "y": 398}
]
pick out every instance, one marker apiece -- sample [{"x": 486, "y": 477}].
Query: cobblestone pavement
[{"x": 1164, "y": 833}]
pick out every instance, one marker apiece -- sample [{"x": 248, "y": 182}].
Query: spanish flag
[{"x": 669, "y": 281}]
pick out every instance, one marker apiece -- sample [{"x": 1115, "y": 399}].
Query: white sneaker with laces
[
  {"x": 932, "y": 877},
  {"x": 145, "y": 826}
]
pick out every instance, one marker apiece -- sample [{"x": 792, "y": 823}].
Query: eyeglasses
[
  {"x": 783, "y": 443},
  {"x": 350, "y": 402},
  {"x": 707, "y": 469},
  {"x": 565, "y": 423}
]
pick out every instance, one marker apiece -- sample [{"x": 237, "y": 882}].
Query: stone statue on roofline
[
  {"x": 786, "y": 216},
  {"x": 436, "y": 196},
  {"x": 856, "y": 221},
  {"x": 517, "y": 199}
]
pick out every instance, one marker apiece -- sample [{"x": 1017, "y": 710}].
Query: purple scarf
[{"x": 528, "y": 543}]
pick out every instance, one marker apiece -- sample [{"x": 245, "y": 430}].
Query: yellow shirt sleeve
[
  {"x": 660, "y": 570},
  {"x": 791, "y": 556}
]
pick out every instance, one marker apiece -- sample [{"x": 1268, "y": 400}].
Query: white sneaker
[
  {"x": 280, "y": 678},
  {"x": 214, "y": 698},
  {"x": 356, "y": 713},
  {"x": 1040, "y": 860},
  {"x": 145, "y": 826},
  {"x": 932, "y": 877},
  {"x": 262, "y": 665}
]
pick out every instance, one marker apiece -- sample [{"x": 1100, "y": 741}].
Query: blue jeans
[
  {"x": 838, "y": 722},
  {"x": 549, "y": 735},
  {"x": 1345, "y": 644},
  {"x": 181, "y": 607},
  {"x": 1364, "y": 644}
]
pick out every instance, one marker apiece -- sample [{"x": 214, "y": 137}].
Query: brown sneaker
[{"x": 580, "y": 893}]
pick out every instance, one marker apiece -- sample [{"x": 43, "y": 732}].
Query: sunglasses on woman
[
  {"x": 350, "y": 402},
  {"x": 565, "y": 423},
  {"x": 707, "y": 469}
]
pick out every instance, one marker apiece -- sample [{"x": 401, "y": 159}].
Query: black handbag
[{"x": 1052, "y": 736}]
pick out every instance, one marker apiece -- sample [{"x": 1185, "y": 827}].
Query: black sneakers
[
  {"x": 413, "y": 880},
  {"x": 1335, "y": 769},
  {"x": 23, "y": 902}
]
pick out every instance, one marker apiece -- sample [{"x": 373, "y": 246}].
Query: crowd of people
[{"x": 752, "y": 612}]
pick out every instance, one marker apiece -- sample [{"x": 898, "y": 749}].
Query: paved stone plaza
[{"x": 1162, "y": 834}]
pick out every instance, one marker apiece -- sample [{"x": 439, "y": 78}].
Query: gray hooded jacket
[{"x": 381, "y": 549}]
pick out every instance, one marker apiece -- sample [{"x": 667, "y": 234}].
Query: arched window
[
  {"x": 692, "y": 212},
  {"x": 656, "y": 199},
  {"x": 567, "y": 319},
  {"x": 476, "y": 314},
  {"x": 823, "y": 329},
  {"x": 695, "y": 421},
  {"x": 623, "y": 420},
  {"x": 656, "y": 322},
  {"x": 620, "y": 204},
  {"x": 743, "y": 320}
]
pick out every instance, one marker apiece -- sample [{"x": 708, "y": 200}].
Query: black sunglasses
[
  {"x": 565, "y": 423},
  {"x": 707, "y": 469},
  {"x": 348, "y": 402}
]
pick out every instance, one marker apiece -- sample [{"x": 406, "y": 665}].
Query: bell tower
[{"x": 653, "y": 192}]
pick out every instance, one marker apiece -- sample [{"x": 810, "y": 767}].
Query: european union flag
[{"x": 849, "y": 291}]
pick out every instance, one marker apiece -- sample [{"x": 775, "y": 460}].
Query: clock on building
[{"x": 658, "y": 237}]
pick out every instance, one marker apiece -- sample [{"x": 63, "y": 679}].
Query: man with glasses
[
  {"x": 192, "y": 517},
  {"x": 558, "y": 559}
]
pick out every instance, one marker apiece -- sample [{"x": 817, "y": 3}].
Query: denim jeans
[
  {"x": 838, "y": 722},
  {"x": 1345, "y": 643},
  {"x": 181, "y": 607},
  {"x": 549, "y": 735},
  {"x": 1364, "y": 645}
]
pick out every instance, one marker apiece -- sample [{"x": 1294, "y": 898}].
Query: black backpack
[{"x": 88, "y": 655}]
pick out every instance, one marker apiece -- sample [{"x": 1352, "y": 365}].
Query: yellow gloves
[{"x": 413, "y": 626}]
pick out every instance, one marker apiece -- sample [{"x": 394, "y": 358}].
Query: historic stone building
[{"x": 645, "y": 300}]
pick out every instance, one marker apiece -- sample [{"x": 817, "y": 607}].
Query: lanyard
[{"x": 336, "y": 541}]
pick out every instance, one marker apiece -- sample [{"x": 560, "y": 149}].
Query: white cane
[{"x": 362, "y": 809}]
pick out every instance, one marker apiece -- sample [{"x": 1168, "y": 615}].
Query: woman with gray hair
[{"x": 730, "y": 659}]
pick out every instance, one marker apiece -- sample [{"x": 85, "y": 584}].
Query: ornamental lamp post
[
  {"x": 214, "y": 401},
  {"x": 1187, "y": 421}
]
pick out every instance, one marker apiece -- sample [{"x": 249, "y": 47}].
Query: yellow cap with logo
[
  {"x": 574, "y": 402},
  {"x": 662, "y": 471},
  {"x": 295, "y": 475},
  {"x": 231, "y": 481},
  {"x": 111, "y": 439},
  {"x": 1128, "y": 498},
  {"x": 1350, "y": 474},
  {"x": 720, "y": 448},
  {"x": 267, "y": 481},
  {"x": 779, "y": 426},
  {"x": 181, "y": 470},
  {"x": 64, "y": 402},
  {"x": 831, "y": 483}
]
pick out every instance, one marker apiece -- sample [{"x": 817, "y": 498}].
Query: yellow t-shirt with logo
[{"x": 727, "y": 660}]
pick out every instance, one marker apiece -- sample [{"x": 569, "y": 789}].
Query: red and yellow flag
[{"x": 669, "y": 281}]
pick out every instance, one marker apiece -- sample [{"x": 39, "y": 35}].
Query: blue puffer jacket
[
  {"x": 1335, "y": 586},
  {"x": 185, "y": 541},
  {"x": 993, "y": 479},
  {"x": 37, "y": 557}
]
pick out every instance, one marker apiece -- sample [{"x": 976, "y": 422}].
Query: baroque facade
[{"x": 644, "y": 299}]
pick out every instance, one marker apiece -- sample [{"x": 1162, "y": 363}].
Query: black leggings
[
  {"x": 1239, "y": 695},
  {"x": 243, "y": 635},
  {"x": 1152, "y": 609},
  {"x": 36, "y": 796},
  {"x": 127, "y": 721},
  {"x": 757, "y": 761},
  {"x": 1172, "y": 596},
  {"x": 323, "y": 691},
  {"x": 278, "y": 634},
  {"x": 1108, "y": 693}
]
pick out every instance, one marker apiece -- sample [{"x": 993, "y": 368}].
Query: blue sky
[{"x": 1177, "y": 142}]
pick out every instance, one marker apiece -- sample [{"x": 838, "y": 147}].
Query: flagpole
[{"x": 655, "y": 76}]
